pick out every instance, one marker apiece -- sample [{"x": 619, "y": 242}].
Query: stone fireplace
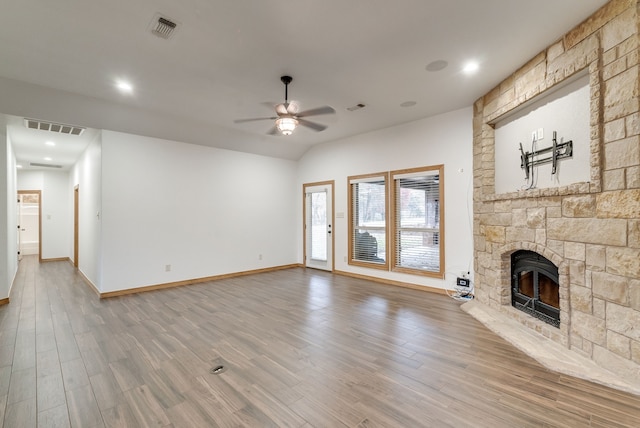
[{"x": 588, "y": 231}]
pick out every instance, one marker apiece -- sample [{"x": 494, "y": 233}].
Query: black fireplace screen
[{"x": 534, "y": 286}]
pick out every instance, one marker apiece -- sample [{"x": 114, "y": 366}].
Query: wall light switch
[{"x": 540, "y": 133}]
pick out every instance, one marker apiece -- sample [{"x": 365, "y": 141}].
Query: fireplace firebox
[{"x": 534, "y": 286}]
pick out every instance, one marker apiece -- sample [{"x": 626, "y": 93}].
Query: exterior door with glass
[{"x": 318, "y": 225}]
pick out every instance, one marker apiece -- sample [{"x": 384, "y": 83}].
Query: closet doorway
[{"x": 29, "y": 223}]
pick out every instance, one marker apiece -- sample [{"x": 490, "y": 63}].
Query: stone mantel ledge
[
  {"x": 582, "y": 188},
  {"x": 550, "y": 81}
]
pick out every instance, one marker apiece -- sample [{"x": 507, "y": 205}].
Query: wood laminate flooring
[{"x": 300, "y": 348}]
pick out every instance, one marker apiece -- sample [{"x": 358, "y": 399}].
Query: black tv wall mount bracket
[{"x": 558, "y": 151}]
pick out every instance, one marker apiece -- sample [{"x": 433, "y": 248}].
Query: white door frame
[{"x": 308, "y": 262}]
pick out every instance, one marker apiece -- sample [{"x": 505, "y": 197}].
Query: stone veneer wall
[{"x": 591, "y": 230}]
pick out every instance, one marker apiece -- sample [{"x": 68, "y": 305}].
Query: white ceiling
[{"x": 225, "y": 60}]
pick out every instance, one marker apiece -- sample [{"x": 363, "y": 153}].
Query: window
[
  {"x": 410, "y": 239},
  {"x": 417, "y": 212},
  {"x": 368, "y": 220}
]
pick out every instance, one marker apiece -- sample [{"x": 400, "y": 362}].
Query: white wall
[
  {"x": 6, "y": 278},
  {"x": 445, "y": 139},
  {"x": 202, "y": 210},
  {"x": 566, "y": 111},
  {"x": 30, "y": 180},
  {"x": 8, "y": 217},
  {"x": 56, "y": 209},
  {"x": 87, "y": 175}
]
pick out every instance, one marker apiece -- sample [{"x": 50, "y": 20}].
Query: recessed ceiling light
[
  {"x": 48, "y": 159},
  {"x": 408, "y": 104},
  {"x": 124, "y": 86},
  {"x": 50, "y": 143},
  {"x": 18, "y": 166},
  {"x": 470, "y": 67}
]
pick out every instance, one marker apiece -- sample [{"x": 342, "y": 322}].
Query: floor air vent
[{"x": 59, "y": 128}]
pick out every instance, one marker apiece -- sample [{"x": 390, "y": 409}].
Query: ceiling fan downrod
[{"x": 286, "y": 80}]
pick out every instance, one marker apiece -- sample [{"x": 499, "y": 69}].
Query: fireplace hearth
[{"x": 534, "y": 286}]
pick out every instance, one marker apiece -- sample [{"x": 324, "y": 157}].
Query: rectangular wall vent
[{"x": 60, "y": 128}]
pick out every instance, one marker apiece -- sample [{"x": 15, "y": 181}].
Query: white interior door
[
  {"x": 29, "y": 222},
  {"x": 318, "y": 224}
]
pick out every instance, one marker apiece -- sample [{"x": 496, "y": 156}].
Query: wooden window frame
[
  {"x": 394, "y": 226},
  {"x": 351, "y": 212}
]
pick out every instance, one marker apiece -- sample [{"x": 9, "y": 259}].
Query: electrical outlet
[
  {"x": 259, "y": 256},
  {"x": 462, "y": 282},
  {"x": 167, "y": 268}
]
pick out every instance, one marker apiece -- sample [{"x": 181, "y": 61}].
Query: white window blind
[
  {"x": 368, "y": 222},
  {"x": 417, "y": 213}
]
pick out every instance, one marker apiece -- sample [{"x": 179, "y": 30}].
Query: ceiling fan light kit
[
  {"x": 288, "y": 117},
  {"x": 286, "y": 125}
]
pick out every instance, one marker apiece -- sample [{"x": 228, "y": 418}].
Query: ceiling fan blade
[
  {"x": 254, "y": 119},
  {"x": 316, "y": 111},
  {"x": 315, "y": 126}
]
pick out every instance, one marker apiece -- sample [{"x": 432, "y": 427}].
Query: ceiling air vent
[
  {"x": 163, "y": 27},
  {"x": 60, "y": 128},
  {"x": 45, "y": 165}
]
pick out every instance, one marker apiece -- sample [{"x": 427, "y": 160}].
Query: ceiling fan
[{"x": 288, "y": 117}]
